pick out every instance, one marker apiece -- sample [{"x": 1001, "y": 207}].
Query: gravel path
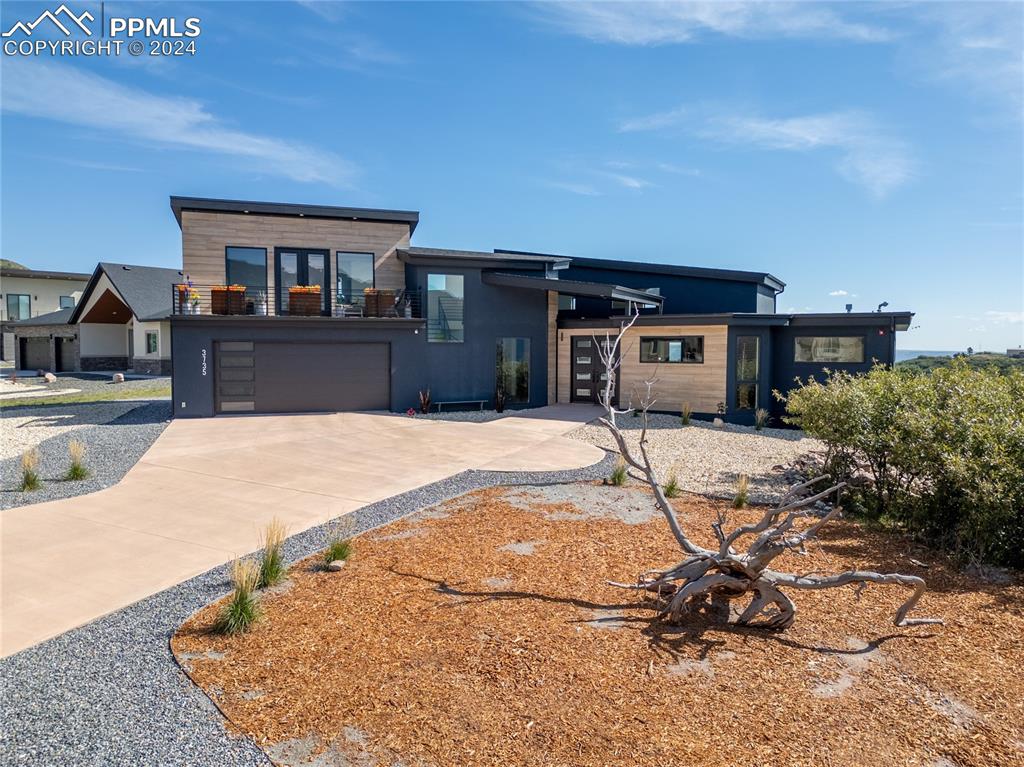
[
  {"x": 116, "y": 435},
  {"x": 111, "y": 693},
  {"x": 708, "y": 460}
]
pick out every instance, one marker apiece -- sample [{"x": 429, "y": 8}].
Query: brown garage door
[
  {"x": 311, "y": 377},
  {"x": 35, "y": 354}
]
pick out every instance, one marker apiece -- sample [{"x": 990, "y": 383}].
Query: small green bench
[{"x": 478, "y": 402}]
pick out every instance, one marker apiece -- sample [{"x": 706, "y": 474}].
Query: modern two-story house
[{"x": 304, "y": 308}]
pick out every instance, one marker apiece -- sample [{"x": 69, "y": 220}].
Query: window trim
[
  {"x": 266, "y": 277},
  {"x": 7, "y": 305},
  {"x": 863, "y": 351},
  {"x": 669, "y": 339}
]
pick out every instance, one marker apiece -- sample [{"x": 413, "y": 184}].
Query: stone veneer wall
[
  {"x": 105, "y": 363},
  {"x": 151, "y": 367}
]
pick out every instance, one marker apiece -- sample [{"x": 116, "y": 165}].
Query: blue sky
[{"x": 860, "y": 152}]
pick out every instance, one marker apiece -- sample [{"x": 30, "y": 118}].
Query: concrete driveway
[{"x": 202, "y": 493}]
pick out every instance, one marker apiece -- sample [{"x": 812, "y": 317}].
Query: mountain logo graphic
[{"x": 55, "y": 17}]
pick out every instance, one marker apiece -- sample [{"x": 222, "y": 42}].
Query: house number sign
[{"x": 204, "y": 362}]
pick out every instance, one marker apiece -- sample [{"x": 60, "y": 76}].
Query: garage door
[
  {"x": 35, "y": 354},
  {"x": 266, "y": 377}
]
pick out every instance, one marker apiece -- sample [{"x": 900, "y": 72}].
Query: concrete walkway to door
[{"x": 202, "y": 493}]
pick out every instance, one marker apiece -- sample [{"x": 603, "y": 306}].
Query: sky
[{"x": 861, "y": 152}]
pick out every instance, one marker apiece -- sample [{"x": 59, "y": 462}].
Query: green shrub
[
  {"x": 942, "y": 453},
  {"x": 242, "y": 609},
  {"x": 686, "y": 413},
  {"x": 76, "y": 452},
  {"x": 272, "y": 567},
  {"x": 619, "y": 474},
  {"x": 30, "y": 470},
  {"x": 671, "y": 488},
  {"x": 761, "y": 418},
  {"x": 739, "y": 501}
]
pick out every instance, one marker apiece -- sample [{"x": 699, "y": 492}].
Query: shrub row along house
[{"x": 301, "y": 308}]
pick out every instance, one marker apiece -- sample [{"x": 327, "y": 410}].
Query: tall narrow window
[
  {"x": 445, "y": 299},
  {"x": 354, "y": 274},
  {"x": 19, "y": 306},
  {"x": 152, "y": 342},
  {"x": 747, "y": 368},
  {"x": 513, "y": 369},
  {"x": 246, "y": 266}
]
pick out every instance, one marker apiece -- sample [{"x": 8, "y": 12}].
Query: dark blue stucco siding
[
  {"x": 682, "y": 294},
  {"x": 452, "y": 371},
  {"x": 879, "y": 346}
]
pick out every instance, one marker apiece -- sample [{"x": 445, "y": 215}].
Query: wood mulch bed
[{"x": 483, "y": 633}]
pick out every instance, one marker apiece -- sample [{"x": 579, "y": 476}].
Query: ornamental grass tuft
[
  {"x": 619, "y": 474},
  {"x": 77, "y": 469},
  {"x": 272, "y": 567},
  {"x": 739, "y": 501},
  {"x": 30, "y": 470},
  {"x": 242, "y": 609}
]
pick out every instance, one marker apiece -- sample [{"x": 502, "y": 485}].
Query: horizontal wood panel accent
[
  {"x": 702, "y": 385},
  {"x": 205, "y": 235}
]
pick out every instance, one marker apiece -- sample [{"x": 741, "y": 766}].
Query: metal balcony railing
[{"x": 242, "y": 300}]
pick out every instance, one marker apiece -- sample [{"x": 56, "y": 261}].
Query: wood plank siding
[
  {"x": 205, "y": 235},
  {"x": 700, "y": 384}
]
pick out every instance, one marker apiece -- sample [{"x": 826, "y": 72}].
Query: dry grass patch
[{"x": 483, "y": 633}]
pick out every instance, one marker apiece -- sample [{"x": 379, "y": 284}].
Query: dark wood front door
[{"x": 588, "y": 374}]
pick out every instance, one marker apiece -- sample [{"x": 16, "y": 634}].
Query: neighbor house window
[
  {"x": 829, "y": 349},
  {"x": 152, "y": 341},
  {"x": 246, "y": 266},
  {"x": 681, "y": 349},
  {"x": 747, "y": 369},
  {"x": 513, "y": 369},
  {"x": 19, "y": 306},
  {"x": 354, "y": 272},
  {"x": 445, "y": 299},
  {"x": 566, "y": 303},
  {"x": 67, "y": 302}
]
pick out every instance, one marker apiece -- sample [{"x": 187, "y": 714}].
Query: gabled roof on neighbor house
[
  {"x": 243, "y": 207},
  {"x": 732, "y": 275},
  {"x": 483, "y": 258},
  {"x": 42, "y": 274},
  {"x": 574, "y": 287},
  {"x": 59, "y": 317},
  {"x": 146, "y": 290}
]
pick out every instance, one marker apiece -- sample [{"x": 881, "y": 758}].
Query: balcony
[{"x": 299, "y": 301}]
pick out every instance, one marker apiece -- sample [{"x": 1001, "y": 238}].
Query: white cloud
[
  {"x": 567, "y": 186},
  {"x": 328, "y": 10},
  {"x": 867, "y": 155},
  {"x": 838, "y": 293},
  {"x": 1005, "y": 317},
  {"x": 679, "y": 170},
  {"x": 630, "y": 182},
  {"x": 69, "y": 95},
  {"x": 659, "y": 23}
]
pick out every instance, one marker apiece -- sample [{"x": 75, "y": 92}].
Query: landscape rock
[
  {"x": 336, "y": 565},
  {"x": 718, "y": 423},
  {"x": 118, "y": 378},
  {"x": 50, "y": 378}
]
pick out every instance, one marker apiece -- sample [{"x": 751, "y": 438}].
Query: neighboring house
[
  {"x": 31, "y": 294},
  {"x": 1017, "y": 353},
  {"x": 296, "y": 308},
  {"x": 123, "y": 319}
]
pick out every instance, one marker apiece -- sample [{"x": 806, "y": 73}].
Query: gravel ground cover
[
  {"x": 466, "y": 416},
  {"x": 116, "y": 435},
  {"x": 489, "y": 636},
  {"x": 707, "y": 459},
  {"x": 111, "y": 693},
  {"x": 88, "y": 382},
  {"x": 70, "y": 388}
]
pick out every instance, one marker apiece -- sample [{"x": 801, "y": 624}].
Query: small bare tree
[{"x": 711, "y": 578}]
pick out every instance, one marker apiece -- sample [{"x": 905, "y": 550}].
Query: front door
[
  {"x": 588, "y": 374},
  {"x": 300, "y": 266}
]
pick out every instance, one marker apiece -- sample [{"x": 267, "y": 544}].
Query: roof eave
[{"x": 242, "y": 207}]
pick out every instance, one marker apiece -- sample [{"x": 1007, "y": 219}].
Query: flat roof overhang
[
  {"x": 574, "y": 288},
  {"x": 178, "y": 204},
  {"x": 896, "y": 320}
]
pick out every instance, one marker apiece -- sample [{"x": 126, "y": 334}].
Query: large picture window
[
  {"x": 354, "y": 273},
  {"x": 747, "y": 369},
  {"x": 19, "y": 306},
  {"x": 680, "y": 349},
  {"x": 513, "y": 369},
  {"x": 246, "y": 266},
  {"x": 445, "y": 299},
  {"x": 829, "y": 349}
]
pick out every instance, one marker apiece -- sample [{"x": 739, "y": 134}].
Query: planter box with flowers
[
  {"x": 305, "y": 301},
  {"x": 188, "y": 299},
  {"x": 227, "y": 299}
]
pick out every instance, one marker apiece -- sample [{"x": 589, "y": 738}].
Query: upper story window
[
  {"x": 67, "y": 302},
  {"x": 566, "y": 303},
  {"x": 829, "y": 349},
  {"x": 19, "y": 306},
  {"x": 679, "y": 349},
  {"x": 354, "y": 273},
  {"x": 445, "y": 300},
  {"x": 246, "y": 266}
]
